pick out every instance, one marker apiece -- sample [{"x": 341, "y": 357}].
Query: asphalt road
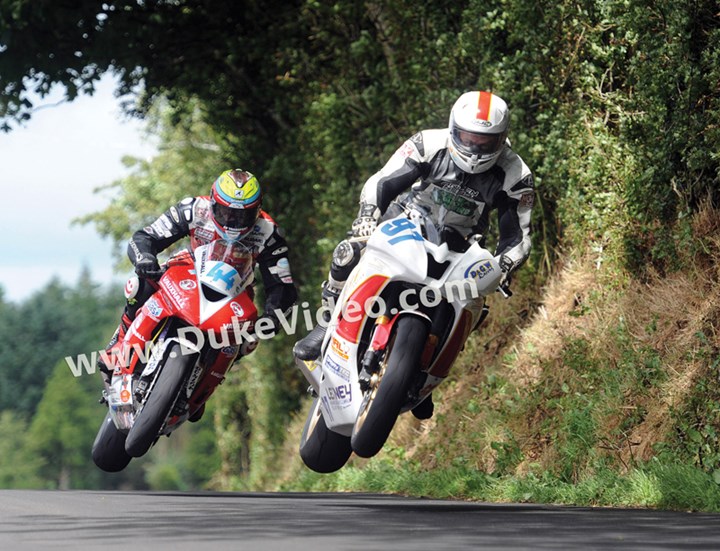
[{"x": 205, "y": 521}]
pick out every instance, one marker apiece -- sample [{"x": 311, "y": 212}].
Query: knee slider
[{"x": 131, "y": 289}]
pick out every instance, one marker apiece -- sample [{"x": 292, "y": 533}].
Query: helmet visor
[
  {"x": 237, "y": 219},
  {"x": 477, "y": 144}
]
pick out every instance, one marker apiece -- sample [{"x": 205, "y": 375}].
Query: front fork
[
  {"x": 377, "y": 351},
  {"x": 122, "y": 392},
  {"x": 119, "y": 396}
]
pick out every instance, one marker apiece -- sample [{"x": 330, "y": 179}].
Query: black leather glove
[
  {"x": 147, "y": 267},
  {"x": 270, "y": 322}
]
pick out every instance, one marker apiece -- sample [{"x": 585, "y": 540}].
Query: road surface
[{"x": 288, "y": 521}]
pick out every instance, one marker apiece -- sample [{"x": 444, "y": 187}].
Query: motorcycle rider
[
  {"x": 466, "y": 171},
  {"x": 231, "y": 212}
]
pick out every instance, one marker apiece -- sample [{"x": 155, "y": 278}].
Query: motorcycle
[
  {"x": 398, "y": 325},
  {"x": 177, "y": 350}
]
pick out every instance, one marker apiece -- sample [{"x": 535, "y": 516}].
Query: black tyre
[
  {"x": 108, "y": 450},
  {"x": 321, "y": 449},
  {"x": 382, "y": 404},
  {"x": 160, "y": 402}
]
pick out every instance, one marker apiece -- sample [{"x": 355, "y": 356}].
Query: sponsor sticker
[
  {"x": 204, "y": 234},
  {"x": 187, "y": 284},
  {"x": 160, "y": 227},
  {"x": 237, "y": 309},
  {"x": 340, "y": 348},
  {"x": 230, "y": 351},
  {"x": 342, "y": 394},
  {"x": 283, "y": 270},
  {"x": 406, "y": 150},
  {"x": 332, "y": 365},
  {"x": 174, "y": 293},
  {"x": 153, "y": 308},
  {"x": 479, "y": 270}
]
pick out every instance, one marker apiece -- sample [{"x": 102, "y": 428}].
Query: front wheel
[
  {"x": 108, "y": 450},
  {"x": 321, "y": 449},
  {"x": 159, "y": 402},
  {"x": 382, "y": 403}
]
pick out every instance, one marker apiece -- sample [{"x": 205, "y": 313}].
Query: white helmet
[{"x": 478, "y": 128}]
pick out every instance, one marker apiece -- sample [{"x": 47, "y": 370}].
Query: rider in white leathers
[{"x": 461, "y": 173}]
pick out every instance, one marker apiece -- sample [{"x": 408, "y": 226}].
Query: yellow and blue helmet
[{"x": 236, "y": 198}]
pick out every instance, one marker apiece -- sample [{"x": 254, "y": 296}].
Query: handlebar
[{"x": 504, "y": 290}]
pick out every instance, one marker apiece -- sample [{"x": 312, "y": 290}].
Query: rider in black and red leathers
[
  {"x": 459, "y": 174},
  {"x": 231, "y": 212}
]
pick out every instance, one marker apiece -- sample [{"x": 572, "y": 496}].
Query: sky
[{"x": 49, "y": 169}]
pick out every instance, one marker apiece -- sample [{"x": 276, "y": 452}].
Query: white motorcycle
[{"x": 399, "y": 324}]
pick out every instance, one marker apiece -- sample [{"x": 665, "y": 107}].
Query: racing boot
[
  {"x": 119, "y": 335},
  {"x": 425, "y": 409},
  {"x": 308, "y": 348}
]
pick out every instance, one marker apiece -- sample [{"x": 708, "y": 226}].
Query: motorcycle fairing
[
  {"x": 350, "y": 323},
  {"x": 205, "y": 292},
  {"x": 398, "y": 251}
]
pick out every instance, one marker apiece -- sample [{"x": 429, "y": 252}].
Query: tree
[
  {"x": 20, "y": 467},
  {"x": 188, "y": 161},
  {"x": 614, "y": 105},
  {"x": 55, "y": 322},
  {"x": 214, "y": 50},
  {"x": 64, "y": 427}
]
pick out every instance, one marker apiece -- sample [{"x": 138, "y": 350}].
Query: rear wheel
[
  {"x": 321, "y": 449},
  {"x": 108, "y": 450},
  {"x": 383, "y": 402},
  {"x": 159, "y": 402}
]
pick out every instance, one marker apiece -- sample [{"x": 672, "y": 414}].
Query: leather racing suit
[
  {"x": 423, "y": 169},
  {"x": 191, "y": 217}
]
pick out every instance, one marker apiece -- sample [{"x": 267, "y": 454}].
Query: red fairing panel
[
  {"x": 350, "y": 330},
  {"x": 241, "y": 307}
]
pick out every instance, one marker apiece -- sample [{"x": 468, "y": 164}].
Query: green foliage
[
  {"x": 677, "y": 487},
  {"x": 189, "y": 159},
  {"x": 272, "y": 386},
  {"x": 507, "y": 455},
  {"x": 318, "y": 99},
  {"x": 55, "y": 322},
  {"x": 187, "y": 460},
  {"x": 49, "y": 418},
  {"x": 20, "y": 466},
  {"x": 234, "y": 429},
  {"x": 202, "y": 457},
  {"x": 165, "y": 476},
  {"x": 63, "y": 429},
  {"x": 614, "y": 105},
  {"x": 695, "y": 439}
]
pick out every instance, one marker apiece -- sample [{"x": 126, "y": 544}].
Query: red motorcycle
[{"x": 177, "y": 350}]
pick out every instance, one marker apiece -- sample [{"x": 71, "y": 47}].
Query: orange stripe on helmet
[{"x": 483, "y": 110}]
